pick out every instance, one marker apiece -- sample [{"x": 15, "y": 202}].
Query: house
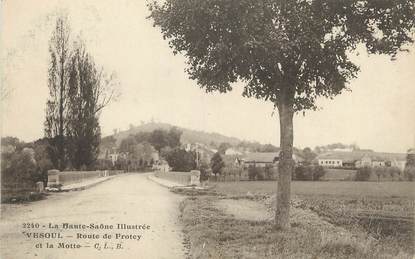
[
  {"x": 115, "y": 156},
  {"x": 203, "y": 152},
  {"x": 161, "y": 166},
  {"x": 361, "y": 158},
  {"x": 262, "y": 159},
  {"x": 232, "y": 151}
]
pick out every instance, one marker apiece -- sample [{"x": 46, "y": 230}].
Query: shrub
[
  {"x": 181, "y": 160},
  {"x": 409, "y": 173},
  {"x": 308, "y": 173},
  {"x": 217, "y": 164},
  {"x": 252, "y": 172},
  {"x": 204, "y": 171},
  {"x": 300, "y": 173},
  {"x": 269, "y": 172},
  {"x": 260, "y": 175},
  {"x": 19, "y": 167},
  {"x": 318, "y": 172},
  {"x": 363, "y": 174},
  {"x": 18, "y": 175}
]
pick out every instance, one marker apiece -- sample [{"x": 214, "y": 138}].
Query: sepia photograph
[{"x": 196, "y": 129}]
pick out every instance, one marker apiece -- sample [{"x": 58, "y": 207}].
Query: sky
[{"x": 379, "y": 112}]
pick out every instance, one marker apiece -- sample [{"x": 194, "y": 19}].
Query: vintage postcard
[{"x": 207, "y": 129}]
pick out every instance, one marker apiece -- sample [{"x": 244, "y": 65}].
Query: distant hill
[{"x": 188, "y": 136}]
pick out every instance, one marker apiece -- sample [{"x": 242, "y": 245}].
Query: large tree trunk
[{"x": 285, "y": 166}]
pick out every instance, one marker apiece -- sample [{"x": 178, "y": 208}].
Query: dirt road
[{"x": 125, "y": 217}]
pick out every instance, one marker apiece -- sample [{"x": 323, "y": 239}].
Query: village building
[
  {"x": 358, "y": 159},
  {"x": 232, "y": 152},
  {"x": 161, "y": 166},
  {"x": 263, "y": 159}
]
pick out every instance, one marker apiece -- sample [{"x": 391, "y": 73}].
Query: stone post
[
  {"x": 40, "y": 187},
  {"x": 195, "y": 177},
  {"x": 53, "y": 177}
]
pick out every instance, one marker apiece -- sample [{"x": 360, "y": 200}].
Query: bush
[
  {"x": 252, "y": 172},
  {"x": 269, "y": 172},
  {"x": 363, "y": 174},
  {"x": 386, "y": 172},
  {"x": 259, "y": 173},
  {"x": 204, "y": 171},
  {"x": 409, "y": 173},
  {"x": 18, "y": 175},
  {"x": 318, "y": 172},
  {"x": 308, "y": 173},
  {"x": 19, "y": 167},
  {"x": 181, "y": 160},
  {"x": 217, "y": 164}
]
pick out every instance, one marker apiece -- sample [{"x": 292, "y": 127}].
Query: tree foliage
[
  {"x": 223, "y": 147},
  {"x": 78, "y": 90},
  {"x": 308, "y": 155},
  {"x": 308, "y": 173},
  {"x": 299, "y": 48},
  {"x": 409, "y": 171},
  {"x": 289, "y": 52},
  {"x": 160, "y": 138},
  {"x": 363, "y": 174},
  {"x": 217, "y": 164},
  {"x": 19, "y": 168},
  {"x": 180, "y": 159},
  {"x": 56, "y": 106}
]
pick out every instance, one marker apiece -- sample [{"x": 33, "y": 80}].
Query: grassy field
[
  {"x": 306, "y": 188},
  {"x": 328, "y": 220}
]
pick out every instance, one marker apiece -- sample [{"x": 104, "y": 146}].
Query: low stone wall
[
  {"x": 182, "y": 178},
  {"x": 56, "y": 177}
]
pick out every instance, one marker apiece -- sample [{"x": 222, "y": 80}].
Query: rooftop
[{"x": 358, "y": 155}]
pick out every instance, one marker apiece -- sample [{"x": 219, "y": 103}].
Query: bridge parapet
[
  {"x": 191, "y": 178},
  {"x": 56, "y": 177}
]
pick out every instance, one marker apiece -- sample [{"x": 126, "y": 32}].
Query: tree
[
  {"x": 308, "y": 155},
  {"x": 409, "y": 171},
  {"x": 159, "y": 139},
  {"x": 108, "y": 142},
  {"x": 204, "y": 171},
  {"x": 217, "y": 164},
  {"x": 43, "y": 161},
  {"x": 174, "y": 136},
  {"x": 180, "y": 159},
  {"x": 269, "y": 148},
  {"x": 56, "y": 106},
  {"x": 143, "y": 136},
  {"x": 89, "y": 91},
  {"x": 128, "y": 144},
  {"x": 223, "y": 147},
  {"x": 19, "y": 168},
  {"x": 287, "y": 52},
  {"x": 308, "y": 173},
  {"x": 10, "y": 141},
  {"x": 142, "y": 152}
]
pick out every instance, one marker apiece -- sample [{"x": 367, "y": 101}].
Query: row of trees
[
  {"x": 78, "y": 91},
  {"x": 158, "y": 138},
  {"x": 141, "y": 147}
]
